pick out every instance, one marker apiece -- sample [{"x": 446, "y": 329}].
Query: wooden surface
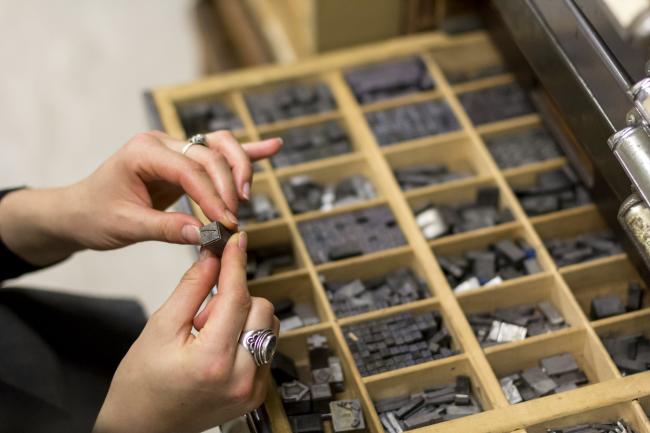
[{"x": 571, "y": 288}]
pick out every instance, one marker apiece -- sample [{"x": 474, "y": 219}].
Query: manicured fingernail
[
  {"x": 204, "y": 254},
  {"x": 246, "y": 191},
  {"x": 232, "y": 218},
  {"x": 243, "y": 241},
  {"x": 191, "y": 234}
]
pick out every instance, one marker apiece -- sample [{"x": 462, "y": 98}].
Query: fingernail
[
  {"x": 246, "y": 191},
  {"x": 281, "y": 141},
  {"x": 232, "y": 218},
  {"x": 204, "y": 254},
  {"x": 191, "y": 234},
  {"x": 243, "y": 241}
]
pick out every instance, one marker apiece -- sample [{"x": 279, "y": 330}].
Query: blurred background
[{"x": 71, "y": 86}]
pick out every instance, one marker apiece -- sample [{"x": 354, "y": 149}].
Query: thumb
[
  {"x": 172, "y": 227},
  {"x": 185, "y": 301}
]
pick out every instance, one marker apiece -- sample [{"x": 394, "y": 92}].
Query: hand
[
  {"x": 174, "y": 381},
  {"x": 123, "y": 201}
]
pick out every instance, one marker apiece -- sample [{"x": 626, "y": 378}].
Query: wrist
[
  {"x": 34, "y": 224},
  {"x": 119, "y": 418}
]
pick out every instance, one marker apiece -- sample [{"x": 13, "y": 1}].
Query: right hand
[{"x": 172, "y": 380}]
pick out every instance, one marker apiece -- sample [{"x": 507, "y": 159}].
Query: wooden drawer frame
[{"x": 609, "y": 395}]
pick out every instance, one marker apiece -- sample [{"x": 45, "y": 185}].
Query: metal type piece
[
  {"x": 559, "y": 364},
  {"x": 538, "y": 381},
  {"x": 307, "y": 423},
  {"x": 289, "y": 101},
  {"x": 584, "y": 247},
  {"x": 214, "y": 236},
  {"x": 552, "y": 315},
  {"x": 606, "y": 306},
  {"x": 296, "y": 397},
  {"x": 508, "y": 333},
  {"x": 412, "y": 121},
  {"x": 347, "y": 416},
  {"x": 397, "y": 287},
  {"x": 397, "y": 341},
  {"x": 321, "y": 395},
  {"x": 422, "y": 419},
  {"x": 389, "y": 79},
  {"x": 522, "y": 147},
  {"x": 467, "y": 285},
  {"x": 417, "y": 176},
  {"x": 394, "y": 423},
  {"x": 510, "y": 390},
  {"x": 310, "y": 143},
  {"x": 430, "y": 406},
  {"x": 496, "y": 103},
  {"x": 261, "y": 344},
  {"x": 350, "y": 234},
  {"x": 635, "y": 295}
]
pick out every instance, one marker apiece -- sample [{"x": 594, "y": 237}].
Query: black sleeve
[{"x": 12, "y": 266}]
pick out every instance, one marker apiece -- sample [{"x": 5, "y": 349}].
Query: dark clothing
[{"x": 58, "y": 353}]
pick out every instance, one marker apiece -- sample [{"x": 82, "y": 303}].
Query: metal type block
[
  {"x": 559, "y": 364},
  {"x": 296, "y": 397},
  {"x": 308, "y": 423},
  {"x": 214, "y": 236},
  {"x": 347, "y": 416}
]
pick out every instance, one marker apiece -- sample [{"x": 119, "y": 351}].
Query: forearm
[{"x": 34, "y": 224}]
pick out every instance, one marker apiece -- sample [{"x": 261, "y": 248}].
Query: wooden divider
[{"x": 607, "y": 395}]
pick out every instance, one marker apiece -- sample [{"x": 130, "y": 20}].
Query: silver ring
[
  {"x": 195, "y": 139},
  {"x": 261, "y": 344}
]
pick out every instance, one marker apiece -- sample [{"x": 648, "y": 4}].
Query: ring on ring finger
[{"x": 195, "y": 139}]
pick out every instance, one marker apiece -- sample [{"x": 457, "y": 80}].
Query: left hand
[{"x": 123, "y": 201}]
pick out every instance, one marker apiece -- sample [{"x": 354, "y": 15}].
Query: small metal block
[
  {"x": 347, "y": 416},
  {"x": 214, "y": 236},
  {"x": 539, "y": 381},
  {"x": 559, "y": 364},
  {"x": 321, "y": 395},
  {"x": 606, "y": 306},
  {"x": 308, "y": 423},
  {"x": 296, "y": 397},
  {"x": 635, "y": 296}
]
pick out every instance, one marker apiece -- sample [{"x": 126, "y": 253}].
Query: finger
[
  {"x": 194, "y": 287},
  {"x": 260, "y": 316},
  {"x": 220, "y": 174},
  {"x": 262, "y": 377},
  {"x": 161, "y": 163},
  {"x": 257, "y": 150},
  {"x": 227, "y": 145},
  {"x": 202, "y": 317},
  {"x": 230, "y": 307},
  {"x": 218, "y": 167},
  {"x": 154, "y": 225},
  {"x": 245, "y": 372},
  {"x": 222, "y": 177}
]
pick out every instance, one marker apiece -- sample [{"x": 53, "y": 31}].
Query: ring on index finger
[{"x": 195, "y": 139}]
